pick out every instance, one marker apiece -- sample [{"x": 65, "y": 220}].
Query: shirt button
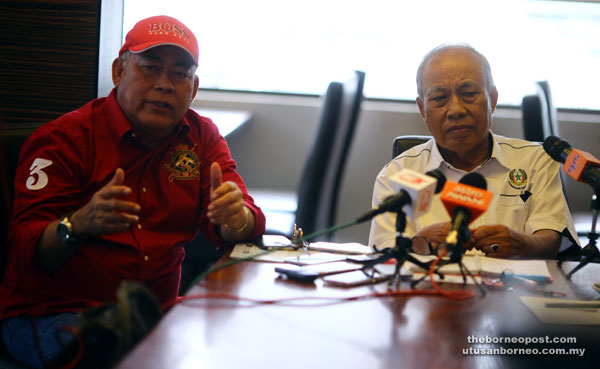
[
  {"x": 143, "y": 189},
  {"x": 146, "y": 258},
  {"x": 139, "y": 226}
]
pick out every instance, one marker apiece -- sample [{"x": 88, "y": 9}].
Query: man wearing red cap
[{"x": 112, "y": 191}]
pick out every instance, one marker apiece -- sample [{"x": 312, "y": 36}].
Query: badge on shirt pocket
[
  {"x": 517, "y": 179},
  {"x": 183, "y": 163}
]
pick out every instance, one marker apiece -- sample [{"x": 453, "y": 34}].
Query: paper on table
[
  {"x": 522, "y": 267},
  {"x": 324, "y": 269},
  {"x": 315, "y": 258},
  {"x": 248, "y": 250},
  {"x": 343, "y": 248},
  {"x": 472, "y": 263},
  {"x": 277, "y": 241},
  {"x": 411, "y": 270},
  {"x": 389, "y": 269},
  {"x": 575, "y": 316},
  {"x": 481, "y": 264}
]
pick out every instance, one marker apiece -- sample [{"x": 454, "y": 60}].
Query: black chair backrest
[
  {"x": 539, "y": 114},
  {"x": 544, "y": 87},
  {"x": 319, "y": 186},
  {"x": 540, "y": 119},
  {"x": 403, "y": 143},
  {"x": 10, "y": 146}
]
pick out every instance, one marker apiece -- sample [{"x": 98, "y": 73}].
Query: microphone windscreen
[
  {"x": 418, "y": 186},
  {"x": 578, "y": 164},
  {"x": 555, "y": 147},
  {"x": 474, "y": 180},
  {"x": 441, "y": 179},
  {"x": 470, "y": 193}
]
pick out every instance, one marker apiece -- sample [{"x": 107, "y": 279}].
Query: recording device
[
  {"x": 465, "y": 201},
  {"x": 411, "y": 188},
  {"x": 580, "y": 165}
]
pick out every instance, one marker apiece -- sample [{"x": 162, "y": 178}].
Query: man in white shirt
[{"x": 528, "y": 216}]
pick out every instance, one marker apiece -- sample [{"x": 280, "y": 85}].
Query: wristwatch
[{"x": 64, "y": 231}]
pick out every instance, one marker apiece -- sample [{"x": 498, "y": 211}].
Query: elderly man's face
[
  {"x": 155, "y": 88},
  {"x": 456, "y": 104}
]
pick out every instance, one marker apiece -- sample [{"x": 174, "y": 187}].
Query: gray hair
[
  {"x": 484, "y": 63},
  {"x": 124, "y": 57}
]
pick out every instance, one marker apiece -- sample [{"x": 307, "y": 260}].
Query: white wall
[{"x": 271, "y": 149}]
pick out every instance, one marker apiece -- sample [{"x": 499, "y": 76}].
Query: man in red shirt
[{"x": 112, "y": 191}]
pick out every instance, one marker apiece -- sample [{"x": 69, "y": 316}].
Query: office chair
[
  {"x": 403, "y": 143},
  {"x": 540, "y": 119},
  {"x": 552, "y": 111},
  {"x": 313, "y": 207},
  {"x": 10, "y": 146},
  {"x": 539, "y": 114}
]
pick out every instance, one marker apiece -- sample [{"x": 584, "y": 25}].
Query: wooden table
[{"x": 391, "y": 332}]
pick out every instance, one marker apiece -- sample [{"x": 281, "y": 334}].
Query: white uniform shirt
[{"x": 516, "y": 166}]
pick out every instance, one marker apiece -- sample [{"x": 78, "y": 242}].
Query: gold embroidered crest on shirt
[
  {"x": 183, "y": 164},
  {"x": 517, "y": 179}
]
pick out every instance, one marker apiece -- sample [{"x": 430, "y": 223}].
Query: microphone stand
[
  {"x": 457, "y": 238},
  {"x": 590, "y": 252},
  {"x": 400, "y": 252}
]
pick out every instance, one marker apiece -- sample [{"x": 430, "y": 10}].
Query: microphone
[
  {"x": 411, "y": 188},
  {"x": 465, "y": 201},
  {"x": 580, "y": 165}
]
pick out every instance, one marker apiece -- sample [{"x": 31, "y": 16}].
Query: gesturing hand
[
  {"x": 226, "y": 201},
  {"x": 105, "y": 213}
]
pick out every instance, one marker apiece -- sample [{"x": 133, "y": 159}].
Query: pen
[
  {"x": 573, "y": 305},
  {"x": 533, "y": 277},
  {"x": 510, "y": 279}
]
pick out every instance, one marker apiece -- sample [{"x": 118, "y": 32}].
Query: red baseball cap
[{"x": 158, "y": 31}]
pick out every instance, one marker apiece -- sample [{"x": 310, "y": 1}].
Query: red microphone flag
[
  {"x": 577, "y": 162},
  {"x": 455, "y": 195}
]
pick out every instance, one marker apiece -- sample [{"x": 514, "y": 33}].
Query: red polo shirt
[{"x": 66, "y": 161}]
